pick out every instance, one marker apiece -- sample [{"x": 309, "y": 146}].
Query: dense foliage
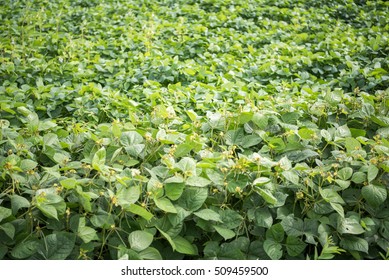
[{"x": 207, "y": 129}]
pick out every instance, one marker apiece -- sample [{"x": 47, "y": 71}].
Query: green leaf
[
  {"x": 183, "y": 246},
  {"x": 345, "y": 173},
  {"x": 183, "y": 150},
  {"x": 349, "y": 226},
  {"x": 87, "y": 234},
  {"x": 191, "y": 114},
  {"x": 150, "y": 253},
  {"x": 103, "y": 220},
  {"x": 295, "y": 246},
  {"x": 234, "y": 137},
  {"x": 293, "y": 226},
  {"x": 174, "y": 190},
  {"x": 69, "y": 183},
  {"x": 273, "y": 249},
  {"x": 4, "y": 213},
  {"x": 25, "y": 249},
  {"x": 196, "y": 181},
  {"x": 224, "y": 232},
  {"x": 60, "y": 158},
  {"x": 298, "y": 156},
  {"x": 329, "y": 195},
  {"x": 27, "y": 164},
  {"x": 140, "y": 240},
  {"x": 267, "y": 196},
  {"x": 215, "y": 176},
  {"x": 187, "y": 165},
  {"x": 130, "y": 138},
  {"x": 193, "y": 198},
  {"x": 353, "y": 243},
  {"x": 291, "y": 176},
  {"x": 18, "y": 202},
  {"x": 9, "y": 229},
  {"x": 375, "y": 195},
  {"x": 306, "y": 133},
  {"x": 48, "y": 210},
  {"x": 125, "y": 253},
  {"x": 352, "y": 144},
  {"x": 285, "y": 163},
  {"x": 3, "y": 251},
  {"x": 231, "y": 218},
  {"x": 168, "y": 238},
  {"x": 57, "y": 246},
  {"x": 260, "y": 120},
  {"x": 261, "y": 181},
  {"x": 276, "y": 233},
  {"x": 338, "y": 208},
  {"x": 263, "y": 218},
  {"x": 343, "y": 131},
  {"x": 277, "y": 144},
  {"x": 140, "y": 211},
  {"x": 342, "y": 184},
  {"x": 250, "y": 141},
  {"x": 372, "y": 172},
  {"x": 165, "y": 205},
  {"x": 98, "y": 161},
  {"x": 127, "y": 196},
  {"x": 208, "y": 215},
  {"x": 358, "y": 177}
]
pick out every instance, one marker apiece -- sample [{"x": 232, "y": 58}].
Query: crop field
[{"x": 194, "y": 129}]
